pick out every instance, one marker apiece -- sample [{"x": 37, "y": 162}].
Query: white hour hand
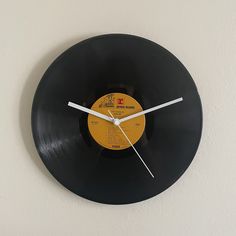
[{"x": 89, "y": 111}]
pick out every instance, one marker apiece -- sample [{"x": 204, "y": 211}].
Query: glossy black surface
[{"x": 116, "y": 63}]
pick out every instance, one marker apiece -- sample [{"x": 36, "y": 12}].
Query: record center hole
[{"x": 116, "y": 122}]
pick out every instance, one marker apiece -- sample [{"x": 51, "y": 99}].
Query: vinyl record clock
[{"x": 116, "y": 119}]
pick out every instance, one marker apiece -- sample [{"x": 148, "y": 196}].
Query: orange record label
[{"x": 106, "y": 133}]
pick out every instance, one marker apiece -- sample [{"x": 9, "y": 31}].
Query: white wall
[{"x": 202, "y": 34}]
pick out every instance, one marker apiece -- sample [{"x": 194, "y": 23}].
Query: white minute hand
[
  {"x": 151, "y": 109},
  {"x": 92, "y": 112}
]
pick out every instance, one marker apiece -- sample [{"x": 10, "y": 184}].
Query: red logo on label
[{"x": 120, "y": 101}]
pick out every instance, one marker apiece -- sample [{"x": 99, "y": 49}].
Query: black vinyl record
[{"x": 116, "y": 63}]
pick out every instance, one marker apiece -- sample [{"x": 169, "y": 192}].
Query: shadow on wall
[{"x": 26, "y": 100}]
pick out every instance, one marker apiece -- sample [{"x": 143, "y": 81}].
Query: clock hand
[
  {"x": 151, "y": 109},
  {"x": 92, "y": 112},
  {"x": 117, "y": 123}
]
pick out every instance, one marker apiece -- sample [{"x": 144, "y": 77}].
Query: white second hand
[{"x": 133, "y": 147}]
